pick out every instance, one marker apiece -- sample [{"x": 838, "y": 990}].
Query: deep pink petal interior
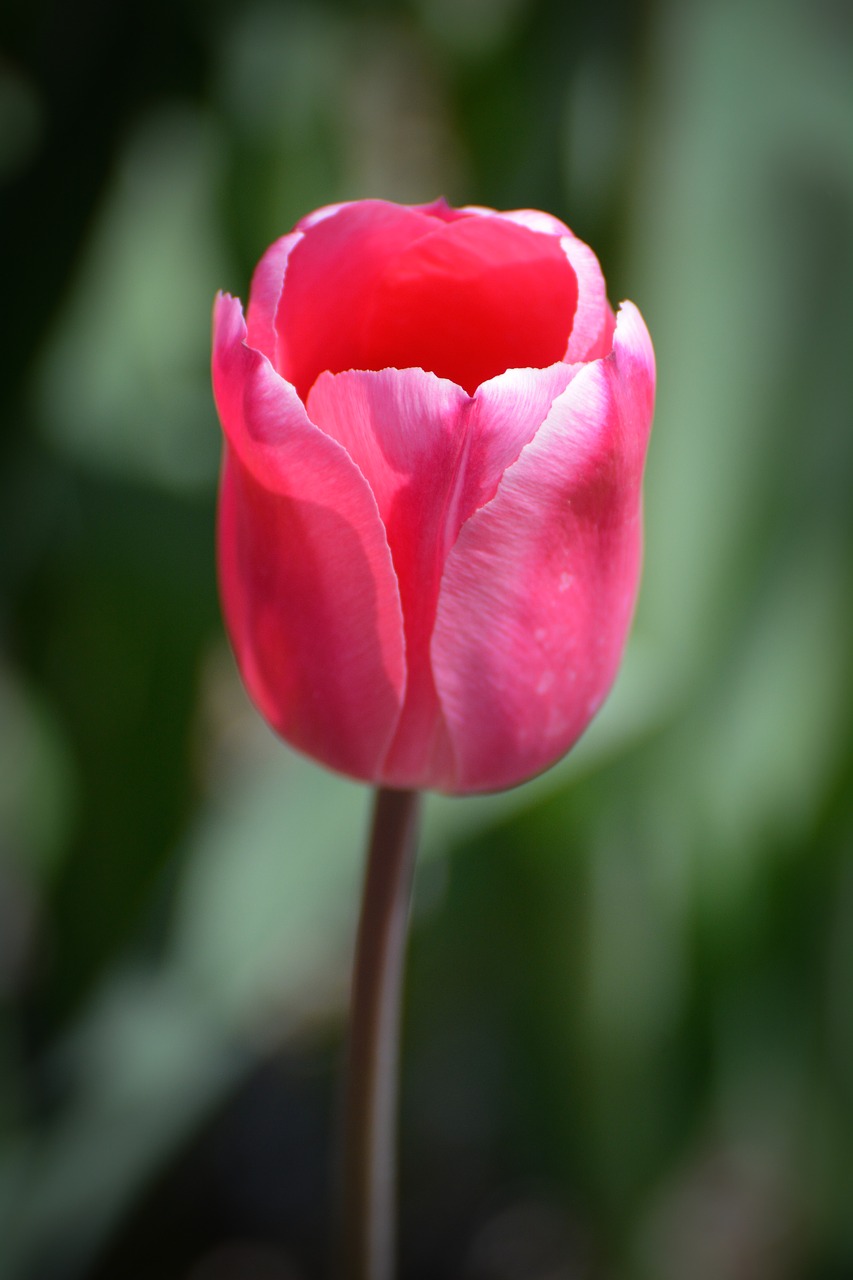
[
  {"x": 471, "y": 300},
  {"x": 319, "y": 321},
  {"x": 383, "y": 287}
]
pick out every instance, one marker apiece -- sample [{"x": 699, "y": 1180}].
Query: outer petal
[
  {"x": 405, "y": 426},
  {"x": 432, "y": 456},
  {"x": 267, "y": 283},
  {"x": 539, "y": 589},
  {"x": 308, "y": 588}
]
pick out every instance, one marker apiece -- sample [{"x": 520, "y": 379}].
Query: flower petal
[
  {"x": 267, "y": 284},
  {"x": 309, "y": 591},
  {"x": 330, "y": 278},
  {"x": 432, "y": 456},
  {"x": 320, "y": 215},
  {"x": 592, "y": 331},
  {"x": 475, "y": 297},
  {"x": 376, "y": 286},
  {"x": 539, "y": 588},
  {"x": 533, "y": 219},
  {"x": 405, "y": 430}
]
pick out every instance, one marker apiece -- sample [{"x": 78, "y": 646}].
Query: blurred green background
[{"x": 629, "y": 1027}]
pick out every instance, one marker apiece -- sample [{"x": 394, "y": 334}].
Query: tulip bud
[{"x": 430, "y": 506}]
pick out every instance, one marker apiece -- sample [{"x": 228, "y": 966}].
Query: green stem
[{"x": 370, "y": 1120}]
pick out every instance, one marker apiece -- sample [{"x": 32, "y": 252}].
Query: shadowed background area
[{"x": 629, "y": 1017}]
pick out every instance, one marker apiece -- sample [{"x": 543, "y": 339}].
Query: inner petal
[
  {"x": 329, "y": 280},
  {"x": 380, "y": 286},
  {"x": 470, "y": 300}
]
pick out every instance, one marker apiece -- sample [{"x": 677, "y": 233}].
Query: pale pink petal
[
  {"x": 309, "y": 592},
  {"x": 592, "y": 331},
  {"x": 432, "y": 456},
  {"x": 407, "y": 427},
  {"x": 507, "y": 413},
  {"x": 533, "y": 219},
  {"x": 267, "y": 284},
  {"x": 539, "y": 588},
  {"x": 319, "y": 215},
  {"x": 401, "y": 428}
]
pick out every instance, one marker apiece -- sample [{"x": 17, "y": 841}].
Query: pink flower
[{"x": 430, "y": 509}]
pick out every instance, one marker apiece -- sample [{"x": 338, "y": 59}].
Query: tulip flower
[
  {"x": 429, "y": 543},
  {"x": 430, "y": 508}
]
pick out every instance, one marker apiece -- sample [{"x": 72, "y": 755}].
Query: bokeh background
[{"x": 629, "y": 1018}]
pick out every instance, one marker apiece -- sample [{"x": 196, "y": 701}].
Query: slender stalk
[{"x": 370, "y": 1118}]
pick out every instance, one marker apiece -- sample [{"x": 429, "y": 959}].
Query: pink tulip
[{"x": 430, "y": 509}]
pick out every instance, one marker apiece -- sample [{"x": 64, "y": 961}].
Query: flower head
[{"x": 430, "y": 508}]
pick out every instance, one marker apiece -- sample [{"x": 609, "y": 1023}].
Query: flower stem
[{"x": 370, "y": 1118}]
